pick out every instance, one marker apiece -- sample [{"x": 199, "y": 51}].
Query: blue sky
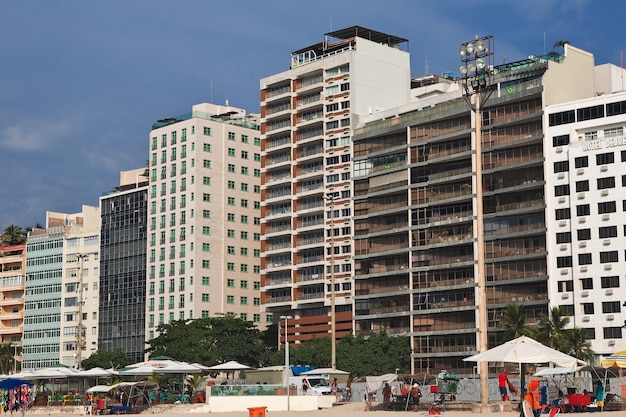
[{"x": 81, "y": 82}]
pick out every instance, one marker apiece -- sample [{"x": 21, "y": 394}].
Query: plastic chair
[{"x": 554, "y": 411}]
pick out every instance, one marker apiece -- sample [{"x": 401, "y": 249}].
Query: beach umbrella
[
  {"x": 11, "y": 383},
  {"x": 616, "y": 360}
]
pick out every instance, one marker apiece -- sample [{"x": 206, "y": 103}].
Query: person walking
[
  {"x": 415, "y": 397},
  {"x": 503, "y": 382},
  {"x": 386, "y": 397}
]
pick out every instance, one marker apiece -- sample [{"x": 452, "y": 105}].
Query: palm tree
[
  {"x": 13, "y": 235},
  {"x": 7, "y": 358},
  {"x": 578, "y": 344},
  {"x": 560, "y": 44},
  {"x": 552, "y": 329},
  {"x": 514, "y": 322},
  {"x": 194, "y": 381}
]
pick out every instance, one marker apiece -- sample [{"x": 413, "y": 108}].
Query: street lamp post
[
  {"x": 476, "y": 57},
  {"x": 333, "y": 323},
  {"x": 15, "y": 346},
  {"x": 287, "y": 370}
]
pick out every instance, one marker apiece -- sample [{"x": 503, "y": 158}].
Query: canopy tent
[
  {"x": 134, "y": 390},
  {"x": 374, "y": 383},
  {"x": 616, "y": 360},
  {"x": 96, "y": 373},
  {"x": 229, "y": 366},
  {"x": 11, "y": 383},
  {"x": 525, "y": 350}
]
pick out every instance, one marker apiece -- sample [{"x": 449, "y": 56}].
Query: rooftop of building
[{"x": 230, "y": 115}]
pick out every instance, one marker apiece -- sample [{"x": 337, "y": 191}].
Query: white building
[
  {"x": 204, "y": 213},
  {"x": 308, "y": 115},
  {"x": 585, "y": 150}
]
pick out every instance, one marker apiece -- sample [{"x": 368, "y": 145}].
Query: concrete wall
[{"x": 272, "y": 402}]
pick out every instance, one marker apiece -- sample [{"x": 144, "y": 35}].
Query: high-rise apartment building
[
  {"x": 61, "y": 292},
  {"x": 416, "y": 271},
  {"x": 123, "y": 243},
  {"x": 308, "y": 113},
  {"x": 586, "y": 201},
  {"x": 12, "y": 279},
  {"x": 204, "y": 217}
]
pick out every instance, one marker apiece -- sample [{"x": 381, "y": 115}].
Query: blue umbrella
[{"x": 11, "y": 383}]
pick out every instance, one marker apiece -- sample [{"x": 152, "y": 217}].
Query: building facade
[
  {"x": 12, "y": 281},
  {"x": 204, "y": 217},
  {"x": 586, "y": 200},
  {"x": 123, "y": 245},
  {"x": 61, "y": 291},
  {"x": 308, "y": 113},
  {"x": 416, "y": 269}
]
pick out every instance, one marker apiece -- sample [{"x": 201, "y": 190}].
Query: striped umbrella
[{"x": 616, "y": 360}]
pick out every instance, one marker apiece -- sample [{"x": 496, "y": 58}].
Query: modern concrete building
[
  {"x": 12, "y": 280},
  {"x": 416, "y": 272},
  {"x": 204, "y": 217},
  {"x": 122, "y": 289},
  {"x": 61, "y": 299},
  {"x": 585, "y": 151},
  {"x": 308, "y": 113}
]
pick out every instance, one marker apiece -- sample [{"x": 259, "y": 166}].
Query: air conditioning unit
[
  {"x": 586, "y": 318},
  {"x": 562, "y": 223},
  {"x": 583, "y": 269},
  {"x": 564, "y": 296},
  {"x": 564, "y": 271},
  {"x": 606, "y": 217},
  {"x": 584, "y": 294},
  {"x": 611, "y": 343},
  {"x": 560, "y": 176},
  {"x": 608, "y": 267},
  {"x": 606, "y": 242},
  {"x": 582, "y": 245},
  {"x": 604, "y": 168},
  {"x": 608, "y": 292},
  {"x": 580, "y": 171},
  {"x": 559, "y": 149},
  {"x": 563, "y": 247},
  {"x": 581, "y": 196},
  {"x": 582, "y": 220},
  {"x": 561, "y": 200},
  {"x": 604, "y": 193},
  {"x": 610, "y": 317}
]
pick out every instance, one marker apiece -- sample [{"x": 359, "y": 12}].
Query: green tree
[
  {"x": 560, "y": 44},
  {"x": 577, "y": 344},
  {"x": 376, "y": 354},
  {"x": 7, "y": 358},
  {"x": 552, "y": 329},
  {"x": 209, "y": 341},
  {"x": 514, "y": 322},
  {"x": 13, "y": 235},
  {"x": 107, "y": 359}
]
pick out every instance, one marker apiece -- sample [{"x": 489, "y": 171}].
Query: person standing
[
  {"x": 386, "y": 397},
  {"x": 305, "y": 386},
  {"x": 349, "y": 388},
  {"x": 335, "y": 389},
  {"x": 599, "y": 394},
  {"x": 503, "y": 382},
  {"x": 532, "y": 397},
  {"x": 415, "y": 397}
]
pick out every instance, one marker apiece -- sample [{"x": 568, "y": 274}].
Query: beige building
[
  {"x": 12, "y": 278},
  {"x": 204, "y": 217}
]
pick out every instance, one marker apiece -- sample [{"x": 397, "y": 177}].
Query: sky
[{"x": 82, "y": 81}]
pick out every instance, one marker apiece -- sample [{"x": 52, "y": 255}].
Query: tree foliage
[
  {"x": 375, "y": 354},
  {"x": 552, "y": 329},
  {"x": 209, "y": 341},
  {"x": 7, "y": 358},
  {"x": 13, "y": 235},
  {"x": 107, "y": 359},
  {"x": 514, "y": 322}
]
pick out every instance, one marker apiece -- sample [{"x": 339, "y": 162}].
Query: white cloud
[{"x": 33, "y": 136}]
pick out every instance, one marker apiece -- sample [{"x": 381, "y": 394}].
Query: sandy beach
[{"x": 354, "y": 409}]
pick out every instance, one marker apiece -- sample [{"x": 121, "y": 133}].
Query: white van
[{"x": 318, "y": 384}]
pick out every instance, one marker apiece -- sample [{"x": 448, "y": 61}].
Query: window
[
  {"x": 584, "y": 234},
  {"x": 605, "y": 158},
  {"x": 231, "y": 201},
  {"x": 565, "y": 286},
  {"x": 584, "y": 259},
  {"x": 561, "y": 166},
  {"x": 257, "y": 172},
  {"x": 244, "y": 202},
  {"x": 609, "y": 307},
  {"x": 244, "y": 186},
  {"x": 562, "y": 214},
  {"x": 257, "y": 141},
  {"x": 257, "y": 157},
  {"x": 588, "y": 113},
  {"x": 206, "y": 197},
  {"x": 607, "y": 207},
  {"x": 244, "y": 170},
  {"x": 206, "y": 163},
  {"x": 206, "y": 131},
  {"x": 230, "y": 233},
  {"x": 205, "y": 298},
  {"x": 230, "y": 283},
  {"x": 612, "y": 332},
  {"x": 616, "y": 108},
  {"x": 231, "y": 185},
  {"x": 231, "y": 151},
  {"x": 244, "y": 235},
  {"x": 230, "y": 299},
  {"x": 230, "y": 250},
  {"x": 565, "y": 237},
  {"x": 609, "y": 282},
  {"x": 230, "y": 266},
  {"x": 607, "y": 232},
  {"x": 563, "y": 261},
  {"x": 231, "y": 217},
  {"x": 567, "y": 310},
  {"x": 606, "y": 182},
  {"x": 206, "y": 214},
  {"x": 244, "y": 219},
  {"x": 561, "y": 118},
  {"x": 560, "y": 190},
  {"x": 582, "y": 186},
  {"x": 243, "y": 268},
  {"x": 243, "y": 300},
  {"x": 587, "y": 308},
  {"x": 561, "y": 140},
  {"x": 206, "y": 281},
  {"x": 206, "y": 264},
  {"x": 231, "y": 168},
  {"x": 586, "y": 283},
  {"x": 257, "y": 237},
  {"x": 583, "y": 210},
  {"x": 244, "y": 154},
  {"x": 607, "y": 257},
  {"x": 581, "y": 162},
  {"x": 244, "y": 138},
  {"x": 231, "y": 135},
  {"x": 243, "y": 284}
]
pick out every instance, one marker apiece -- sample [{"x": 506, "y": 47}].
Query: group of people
[{"x": 414, "y": 396}]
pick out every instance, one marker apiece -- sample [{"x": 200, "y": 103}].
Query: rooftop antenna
[
  {"x": 211, "y": 91},
  {"x": 425, "y": 64},
  {"x": 544, "y": 43}
]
